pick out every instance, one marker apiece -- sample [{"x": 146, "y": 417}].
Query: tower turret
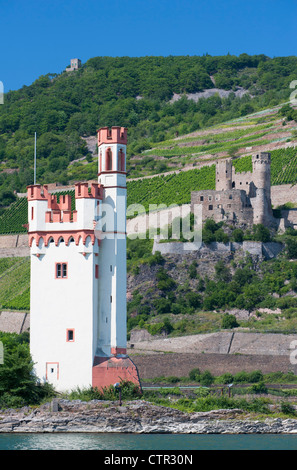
[
  {"x": 262, "y": 181},
  {"x": 224, "y": 175},
  {"x": 111, "y": 360}
]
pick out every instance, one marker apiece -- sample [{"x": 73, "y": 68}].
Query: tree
[
  {"x": 18, "y": 384},
  {"x": 193, "y": 299},
  {"x": 261, "y": 233},
  {"x": 237, "y": 235},
  {"x": 222, "y": 271},
  {"x": 193, "y": 270},
  {"x": 291, "y": 246}
]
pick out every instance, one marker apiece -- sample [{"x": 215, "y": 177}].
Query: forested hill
[{"x": 65, "y": 108}]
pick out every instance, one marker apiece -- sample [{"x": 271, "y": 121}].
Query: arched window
[
  {"x": 108, "y": 160},
  {"x": 100, "y": 162},
  {"x": 121, "y": 160}
]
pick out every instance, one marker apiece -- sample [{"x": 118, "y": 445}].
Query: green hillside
[
  {"x": 139, "y": 93},
  {"x": 174, "y": 188},
  {"x": 176, "y": 141}
]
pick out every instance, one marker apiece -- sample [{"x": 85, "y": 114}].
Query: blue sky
[{"x": 40, "y": 37}]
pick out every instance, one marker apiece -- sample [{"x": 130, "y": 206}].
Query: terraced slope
[
  {"x": 190, "y": 162},
  {"x": 15, "y": 283}
]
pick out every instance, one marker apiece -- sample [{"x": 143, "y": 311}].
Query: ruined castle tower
[
  {"x": 224, "y": 175},
  {"x": 262, "y": 181}
]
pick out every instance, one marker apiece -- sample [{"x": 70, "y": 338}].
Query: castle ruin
[{"x": 241, "y": 198}]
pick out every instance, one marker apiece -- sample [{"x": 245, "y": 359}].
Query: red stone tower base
[{"x": 111, "y": 370}]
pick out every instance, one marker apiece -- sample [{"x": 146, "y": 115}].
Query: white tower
[
  {"x": 112, "y": 230},
  {"x": 111, "y": 356},
  {"x": 78, "y": 277}
]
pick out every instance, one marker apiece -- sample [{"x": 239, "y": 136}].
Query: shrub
[
  {"x": 255, "y": 376},
  {"x": 202, "y": 392},
  {"x": 206, "y": 378},
  {"x": 193, "y": 299},
  {"x": 165, "y": 282},
  {"x": 18, "y": 384},
  {"x": 157, "y": 258},
  {"x": 259, "y": 388},
  {"x": 288, "y": 408},
  {"x": 229, "y": 321},
  {"x": 226, "y": 378},
  {"x": 162, "y": 305},
  {"x": 222, "y": 271},
  {"x": 193, "y": 270},
  {"x": 158, "y": 328},
  {"x": 261, "y": 233},
  {"x": 291, "y": 246},
  {"x": 129, "y": 391},
  {"x": 195, "y": 374},
  {"x": 241, "y": 377},
  {"x": 172, "y": 379},
  {"x": 237, "y": 235}
]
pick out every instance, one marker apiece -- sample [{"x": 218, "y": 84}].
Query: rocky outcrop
[{"x": 134, "y": 417}]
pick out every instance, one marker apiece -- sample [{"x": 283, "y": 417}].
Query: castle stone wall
[
  {"x": 225, "y": 205},
  {"x": 267, "y": 250},
  {"x": 283, "y": 193}
]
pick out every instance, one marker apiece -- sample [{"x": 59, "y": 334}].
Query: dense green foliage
[
  {"x": 238, "y": 284},
  {"x": 129, "y": 391},
  {"x": 18, "y": 385},
  {"x": 283, "y": 166}
]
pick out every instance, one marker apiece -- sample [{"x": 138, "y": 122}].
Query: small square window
[
  {"x": 70, "y": 335},
  {"x": 210, "y": 207},
  {"x": 201, "y": 198}
]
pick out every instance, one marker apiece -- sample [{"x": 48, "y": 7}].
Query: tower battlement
[
  {"x": 113, "y": 135},
  {"x": 262, "y": 157},
  {"x": 50, "y": 219}
]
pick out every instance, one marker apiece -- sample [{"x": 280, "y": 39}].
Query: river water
[{"x": 99, "y": 441}]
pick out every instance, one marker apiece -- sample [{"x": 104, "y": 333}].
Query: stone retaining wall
[
  {"x": 283, "y": 193},
  {"x": 221, "y": 342},
  {"x": 220, "y": 352},
  {"x": 14, "y": 246},
  {"x": 180, "y": 365},
  {"x": 14, "y": 322},
  {"x": 267, "y": 250}
]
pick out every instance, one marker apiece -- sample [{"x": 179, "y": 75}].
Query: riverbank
[{"x": 140, "y": 417}]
